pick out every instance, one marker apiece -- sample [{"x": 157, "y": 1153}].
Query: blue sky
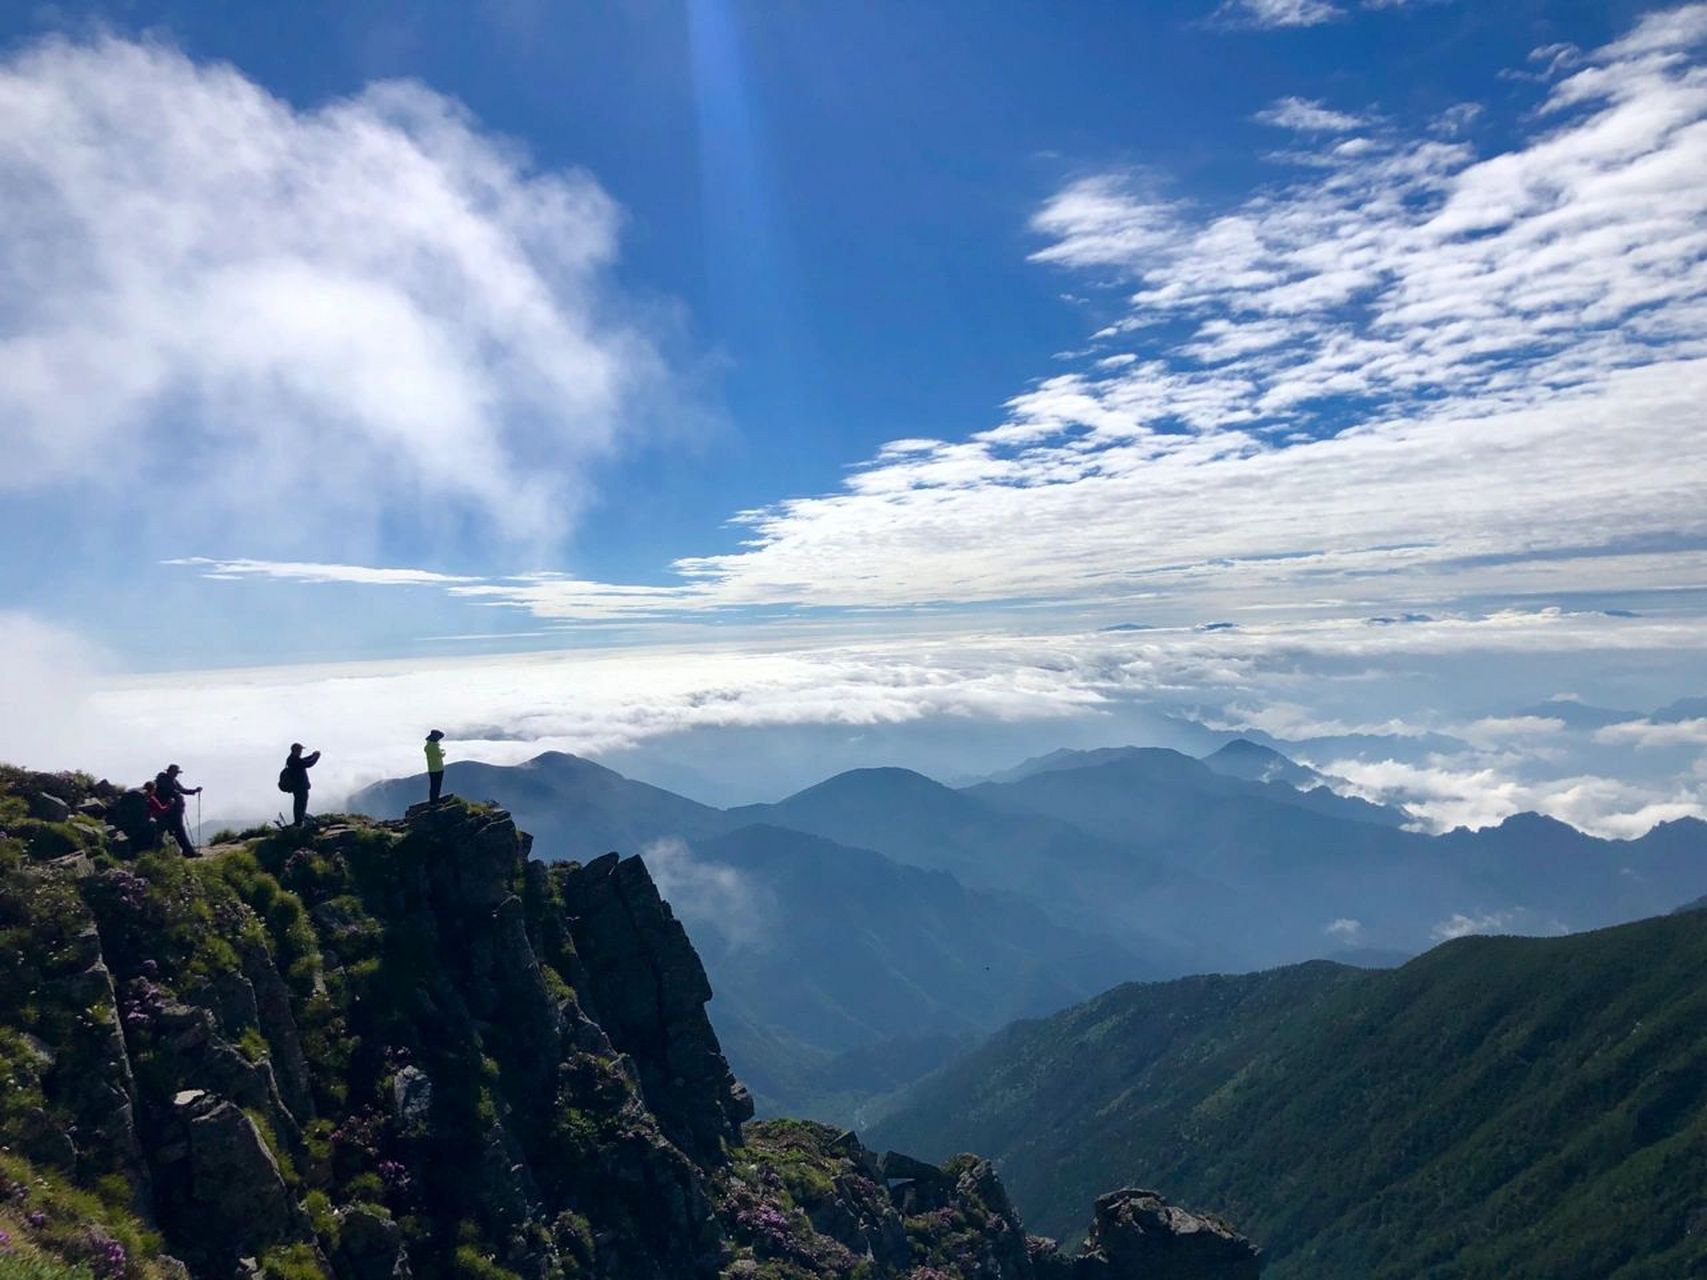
[
  {"x": 831, "y": 203},
  {"x": 340, "y": 333}
]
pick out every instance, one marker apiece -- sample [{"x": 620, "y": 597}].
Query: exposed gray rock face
[
  {"x": 412, "y": 1098},
  {"x": 278, "y": 1024},
  {"x": 49, "y": 808},
  {"x": 190, "y": 1051},
  {"x": 370, "y": 1245},
  {"x": 649, "y": 994},
  {"x": 1137, "y": 1235},
  {"x": 223, "y": 1185},
  {"x": 101, "y": 1096}
]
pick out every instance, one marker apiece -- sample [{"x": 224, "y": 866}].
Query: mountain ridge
[
  {"x": 1490, "y": 1109},
  {"x": 1150, "y": 854},
  {"x": 369, "y": 1050}
]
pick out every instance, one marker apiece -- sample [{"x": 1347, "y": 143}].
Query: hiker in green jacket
[{"x": 435, "y": 766}]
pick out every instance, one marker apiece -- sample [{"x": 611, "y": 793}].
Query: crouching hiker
[
  {"x": 435, "y": 766},
  {"x": 294, "y": 779},
  {"x": 159, "y": 814}
]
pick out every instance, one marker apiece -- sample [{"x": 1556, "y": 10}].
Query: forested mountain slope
[{"x": 1498, "y": 1107}]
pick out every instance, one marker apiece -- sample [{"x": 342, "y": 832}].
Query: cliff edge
[{"x": 379, "y": 1050}]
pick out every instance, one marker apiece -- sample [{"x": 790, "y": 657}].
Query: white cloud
[
  {"x": 711, "y": 895},
  {"x": 1100, "y": 220},
  {"x": 1450, "y": 794},
  {"x": 1456, "y": 118},
  {"x": 1416, "y": 377},
  {"x": 1277, "y": 13},
  {"x": 1647, "y": 733},
  {"x": 1459, "y": 925},
  {"x": 1308, "y": 115},
  {"x": 1517, "y": 346},
  {"x": 47, "y": 672},
  {"x": 1665, "y": 32},
  {"x": 298, "y": 571},
  {"x": 1496, "y": 730},
  {"x": 229, "y": 728},
  {"x": 1345, "y": 931},
  {"x": 1511, "y": 920},
  {"x": 1291, "y": 721},
  {"x": 316, "y": 320}
]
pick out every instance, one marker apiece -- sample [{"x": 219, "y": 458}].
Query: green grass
[
  {"x": 72, "y": 1221},
  {"x": 34, "y": 1266}
]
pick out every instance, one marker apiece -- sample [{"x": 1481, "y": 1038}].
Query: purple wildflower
[
  {"x": 395, "y": 1175},
  {"x": 105, "y": 1256}
]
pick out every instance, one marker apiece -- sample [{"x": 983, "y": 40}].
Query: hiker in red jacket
[
  {"x": 294, "y": 779},
  {"x": 159, "y": 814}
]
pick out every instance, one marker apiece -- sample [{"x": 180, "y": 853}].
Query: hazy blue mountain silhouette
[
  {"x": 573, "y": 807},
  {"x": 1357, "y": 746},
  {"x": 1289, "y": 873},
  {"x": 1083, "y": 879},
  {"x": 1682, "y": 709},
  {"x": 1090, "y": 868},
  {"x": 1242, "y": 758},
  {"x": 917, "y": 820},
  {"x": 1265, "y": 771},
  {"x": 1578, "y": 715},
  {"x": 819, "y": 952},
  {"x": 842, "y": 950}
]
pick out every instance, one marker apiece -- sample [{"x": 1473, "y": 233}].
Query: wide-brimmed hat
[{"x": 435, "y": 735}]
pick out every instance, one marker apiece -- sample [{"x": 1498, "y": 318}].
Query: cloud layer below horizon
[{"x": 1345, "y": 696}]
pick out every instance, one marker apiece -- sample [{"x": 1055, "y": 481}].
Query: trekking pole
[{"x": 198, "y": 819}]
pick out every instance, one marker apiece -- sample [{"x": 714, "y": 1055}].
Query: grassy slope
[{"x": 1500, "y": 1107}]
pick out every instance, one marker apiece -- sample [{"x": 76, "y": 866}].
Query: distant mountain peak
[
  {"x": 562, "y": 759},
  {"x": 1252, "y": 761},
  {"x": 888, "y": 778},
  {"x": 1245, "y": 747},
  {"x": 1529, "y": 820}
]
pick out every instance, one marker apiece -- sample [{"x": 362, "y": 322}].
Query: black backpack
[{"x": 286, "y": 782}]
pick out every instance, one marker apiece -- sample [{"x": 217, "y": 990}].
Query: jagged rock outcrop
[
  {"x": 380, "y": 1051},
  {"x": 219, "y": 1186},
  {"x": 1138, "y": 1233},
  {"x": 651, "y": 995}
]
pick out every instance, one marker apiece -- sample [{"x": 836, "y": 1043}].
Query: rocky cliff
[{"x": 381, "y": 1050}]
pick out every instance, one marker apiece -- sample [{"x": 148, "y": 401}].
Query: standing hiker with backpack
[
  {"x": 435, "y": 766},
  {"x": 293, "y": 778},
  {"x": 171, "y": 799}
]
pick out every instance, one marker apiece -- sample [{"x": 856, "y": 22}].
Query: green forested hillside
[{"x": 1499, "y": 1107}]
